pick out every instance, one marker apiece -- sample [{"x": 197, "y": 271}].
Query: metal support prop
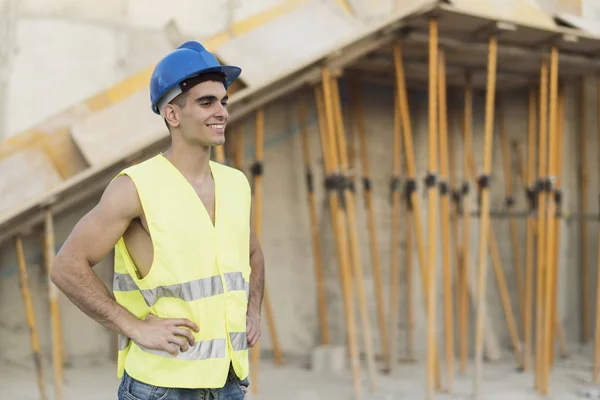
[
  {"x": 355, "y": 256},
  {"x": 485, "y": 220},
  {"x": 445, "y": 223},
  {"x": 220, "y": 154},
  {"x": 29, "y": 312},
  {"x": 338, "y": 222},
  {"x": 500, "y": 279},
  {"x": 57, "y": 349},
  {"x": 395, "y": 234},
  {"x": 550, "y": 220},
  {"x": 455, "y": 210},
  {"x": 541, "y": 224},
  {"x": 238, "y": 147},
  {"x": 415, "y": 201},
  {"x": 514, "y": 232},
  {"x": 531, "y": 232},
  {"x": 556, "y": 328},
  {"x": 314, "y": 225},
  {"x": 409, "y": 308},
  {"x": 584, "y": 239},
  {"x": 463, "y": 314},
  {"x": 358, "y": 113},
  {"x": 257, "y": 224},
  {"x": 432, "y": 211}
]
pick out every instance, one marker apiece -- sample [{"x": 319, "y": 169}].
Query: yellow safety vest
[{"x": 199, "y": 271}]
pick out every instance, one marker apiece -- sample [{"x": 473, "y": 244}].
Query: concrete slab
[
  {"x": 518, "y": 11},
  {"x": 24, "y": 175},
  {"x": 119, "y": 129},
  {"x": 291, "y": 40}
]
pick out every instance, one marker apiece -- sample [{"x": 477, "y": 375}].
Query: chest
[{"x": 206, "y": 194}]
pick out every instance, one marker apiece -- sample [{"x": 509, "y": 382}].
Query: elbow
[{"x": 54, "y": 274}]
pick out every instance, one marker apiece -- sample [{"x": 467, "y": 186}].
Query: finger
[
  {"x": 181, "y": 342},
  {"x": 253, "y": 337},
  {"x": 250, "y": 335},
  {"x": 185, "y": 322},
  {"x": 186, "y": 333},
  {"x": 170, "y": 349},
  {"x": 254, "y": 341}
]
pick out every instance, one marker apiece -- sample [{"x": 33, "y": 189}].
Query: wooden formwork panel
[
  {"x": 119, "y": 129},
  {"x": 25, "y": 175}
]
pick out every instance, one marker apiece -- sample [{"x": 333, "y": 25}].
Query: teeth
[{"x": 217, "y": 126}]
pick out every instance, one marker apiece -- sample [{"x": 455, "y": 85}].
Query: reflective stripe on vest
[
  {"x": 188, "y": 291},
  {"x": 201, "y": 350}
]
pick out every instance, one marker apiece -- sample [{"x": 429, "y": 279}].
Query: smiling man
[{"x": 189, "y": 271}]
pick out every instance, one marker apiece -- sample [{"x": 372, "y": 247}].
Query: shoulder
[{"x": 121, "y": 196}]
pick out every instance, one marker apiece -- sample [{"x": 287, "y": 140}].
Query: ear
[{"x": 171, "y": 114}]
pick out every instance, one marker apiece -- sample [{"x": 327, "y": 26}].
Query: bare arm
[
  {"x": 257, "y": 277},
  {"x": 257, "y": 284},
  {"x": 92, "y": 239}
]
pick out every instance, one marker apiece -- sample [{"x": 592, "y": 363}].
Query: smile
[{"x": 217, "y": 128}]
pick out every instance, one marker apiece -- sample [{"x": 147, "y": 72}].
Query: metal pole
[
  {"x": 57, "y": 348},
  {"x": 550, "y": 220},
  {"x": 371, "y": 225},
  {"x": 355, "y": 255},
  {"x": 314, "y": 226},
  {"x": 541, "y": 225},
  {"x": 432, "y": 211},
  {"x": 29, "y": 312},
  {"x": 338, "y": 220},
  {"x": 485, "y": 220},
  {"x": 445, "y": 224}
]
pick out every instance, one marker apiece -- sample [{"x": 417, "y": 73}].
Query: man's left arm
[{"x": 257, "y": 284}]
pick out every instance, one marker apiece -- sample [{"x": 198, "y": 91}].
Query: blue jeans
[{"x": 132, "y": 389}]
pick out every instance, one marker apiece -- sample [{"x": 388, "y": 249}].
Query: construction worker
[{"x": 189, "y": 271}]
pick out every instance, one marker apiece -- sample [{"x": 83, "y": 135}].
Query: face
[{"x": 202, "y": 120}]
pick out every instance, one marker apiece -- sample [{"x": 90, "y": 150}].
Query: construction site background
[{"x": 56, "y": 54}]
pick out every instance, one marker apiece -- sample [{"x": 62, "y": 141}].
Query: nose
[{"x": 221, "y": 112}]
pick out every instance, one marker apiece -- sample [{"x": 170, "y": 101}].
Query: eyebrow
[{"x": 210, "y": 98}]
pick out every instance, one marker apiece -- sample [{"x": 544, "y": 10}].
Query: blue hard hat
[{"x": 188, "y": 60}]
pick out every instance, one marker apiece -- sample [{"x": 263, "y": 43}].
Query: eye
[
  {"x": 206, "y": 104},
  {"x": 224, "y": 103}
]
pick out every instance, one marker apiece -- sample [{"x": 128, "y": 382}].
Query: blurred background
[{"x": 75, "y": 110}]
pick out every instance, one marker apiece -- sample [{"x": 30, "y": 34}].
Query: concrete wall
[
  {"x": 286, "y": 240},
  {"x": 89, "y": 48}
]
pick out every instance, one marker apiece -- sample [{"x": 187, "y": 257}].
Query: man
[{"x": 189, "y": 271}]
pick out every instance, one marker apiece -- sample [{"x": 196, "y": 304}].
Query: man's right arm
[{"x": 92, "y": 239}]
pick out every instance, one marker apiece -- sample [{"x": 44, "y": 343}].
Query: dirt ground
[{"x": 95, "y": 380}]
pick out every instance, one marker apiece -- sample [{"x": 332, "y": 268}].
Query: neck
[{"x": 191, "y": 161}]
